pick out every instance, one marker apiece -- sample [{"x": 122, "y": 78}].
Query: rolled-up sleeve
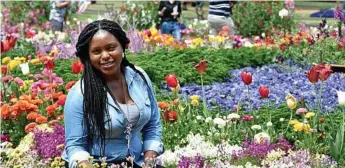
[
  {"x": 152, "y": 131},
  {"x": 75, "y": 133}
]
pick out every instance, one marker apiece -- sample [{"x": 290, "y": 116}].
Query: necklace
[{"x": 129, "y": 125}]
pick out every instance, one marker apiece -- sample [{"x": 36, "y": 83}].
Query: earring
[{"x": 123, "y": 55}]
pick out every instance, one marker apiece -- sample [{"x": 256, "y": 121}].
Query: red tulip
[
  {"x": 201, "y": 67},
  {"x": 264, "y": 91},
  {"x": 11, "y": 40},
  {"x": 313, "y": 75},
  {"x": 325, "y": 73},
  {"x": 171, "y": 80},
  {"x": 50, "y": 65},
  {"x": 77, "y": 67},
  {"x": 5, "y": 46},
  {"x": 170, "y": 116},
  {"x": 4, "y": 69},
  {"x": 246, "y": 78}
]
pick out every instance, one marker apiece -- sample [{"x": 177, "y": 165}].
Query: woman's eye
[
  {"x": 96, "y": 52},
  {"x": 112, "y": 48}
]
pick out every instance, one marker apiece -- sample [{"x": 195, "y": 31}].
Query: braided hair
[{"x": 95, "y": 98}]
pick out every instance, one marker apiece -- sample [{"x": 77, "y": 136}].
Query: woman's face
[{"x": 105, "y": 53}]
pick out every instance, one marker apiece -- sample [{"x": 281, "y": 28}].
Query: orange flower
[
  {"x": 175, "y": 102},
  {"x": 41, "y": 119},
  {"x": 201, "y": 67},
  {"x": 62, "y": 97},
  {"x": 4, "y": 111},
  {"x": 56, "y": 95},
  {"x": 30, "y": 127},
  {"x": 50, "y": 110},
  {"x": 32, "y": 116},
  {"x": 163, "y": 105},
  {"x": 70, "y": 84}
]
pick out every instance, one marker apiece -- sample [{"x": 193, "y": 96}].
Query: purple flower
[
  {"x": 185, "y": 162},
  {"x": 280, "y": 79},
  {"x": 338, "y": 13},
  {"x": 4, "y": 138},
  {"x": 47, "y": 142}
]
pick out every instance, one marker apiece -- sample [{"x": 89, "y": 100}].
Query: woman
[
  {"x": 169, "y": 11},
  {"x": 112, "y": 105}
]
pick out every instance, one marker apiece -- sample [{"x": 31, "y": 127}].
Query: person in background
[
  {"x": 57, "y": 13},
  {"x": 170, "y": 11},
  {"x": 83, "y": 5},
  {"x": 220, "y": 15}
]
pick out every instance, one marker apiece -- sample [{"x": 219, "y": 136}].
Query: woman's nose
[{"x": 105, "y": 55}]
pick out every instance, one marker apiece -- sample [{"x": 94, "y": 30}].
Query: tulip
[
  {"x": 264, "y": 91},
  {"x": 5, "y": 46},
  {"x": 341, "y": 97},
  {"x": 18, "y": 81},
  {"x": 171, "y": 80},
  {"x": 322, "y": 120},
  {"x": 25, "y": 68},
  {"x": 201, "y": 67},
  {"x": 246, "y": 78},
  {"x": 325, "y": 73},
  {"x": 11, "y": 40},
  {"x": 50, "y": 65},
  {"x": 313, "y": 75},
  {"x": 301, "y": 111},
  {"x": 291, "y": 101},
  {"x": 4, "y": 69},
  {"x": 170, "y": 116},
  {"x": 77, "y": 67}
]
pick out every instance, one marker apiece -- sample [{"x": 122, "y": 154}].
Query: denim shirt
[{"x": 146, "y": 134}]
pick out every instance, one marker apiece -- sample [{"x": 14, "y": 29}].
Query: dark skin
[{"x": 105, "y": 53}]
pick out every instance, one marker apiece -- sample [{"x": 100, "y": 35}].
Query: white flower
[
  {"x": 25, "y": 68},
  {"x": 190, "y": 26},
  {"x": 208, "y": 119},
  {"x": 199, "y": 117},
  {"x": 269, "y": 124},
  {"x": 261, "y": 137},
  {"x": 341, "y": 97},
  {"x": 263, "y": 34},
  {"x": 68, "y": 23},
  {"x": 248, "y": 44},
  {"x": 220, "y": 122},
  {"x": 283, "y": 13},
  {"x": 75, "y": 19},
  {"x": 256, "y": 127},
  {"x": 233, "y": 116},
  {"x": 281, "y": 119},
  {"x": 89, "y": 20}
]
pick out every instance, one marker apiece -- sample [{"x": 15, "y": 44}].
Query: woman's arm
[
  {"x": 75, "y": 131},
  {"x": 152, "y": 131}
]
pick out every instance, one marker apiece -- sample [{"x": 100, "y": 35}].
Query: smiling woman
[{"x": 111, "y": 111}]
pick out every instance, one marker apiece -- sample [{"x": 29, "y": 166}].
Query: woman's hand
[
  {"x": 150, "y": 158},
  {"x": 84, "y": 164}
]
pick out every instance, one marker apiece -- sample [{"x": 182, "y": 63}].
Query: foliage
[
  {"x": 22, "y": 11},
  {"x": 324, "y": 50},
  {"x": 260, "y": 17},
  {"x": 138, "y": 15},
  {"x": 22, "y": 49},
  {"x": 181, "y": 62}
]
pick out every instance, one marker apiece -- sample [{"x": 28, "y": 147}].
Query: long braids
[{"x": 95, "y": 95}]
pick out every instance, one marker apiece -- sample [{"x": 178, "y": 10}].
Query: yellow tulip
[
  {"x": 154, "y": 31},
  {"x": 293, "y": 122},
  {"x": 309, "y": 115},
  {"x": 6, "y": 60},
  {"x": 302, "y": 127},
  {"x": 13, "y": 63},
  {"x": 194, "y": 102},
  {"x": 195, "y": 97},
  {"x": 53, "y": 52},
  {"x": 35, "y": 61},
  {"x": 291, "y": 101}
]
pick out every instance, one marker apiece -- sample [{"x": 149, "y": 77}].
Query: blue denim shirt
[{"x": 146, "y": 134}]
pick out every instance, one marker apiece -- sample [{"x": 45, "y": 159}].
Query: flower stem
[
  {"x": 204, "y": 97},
  {"x": 288, "y": 122}
]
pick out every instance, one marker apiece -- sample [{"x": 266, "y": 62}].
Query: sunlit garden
[{"x": 270, "y": 95}]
